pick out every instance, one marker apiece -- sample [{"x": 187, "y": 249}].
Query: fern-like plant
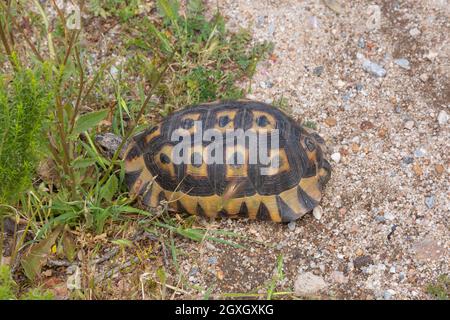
[{"x": 24, "y": 101}]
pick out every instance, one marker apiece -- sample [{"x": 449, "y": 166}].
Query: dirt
[
  {"x": 384, "y": 231},
  {"x": 375, "y": 204}
]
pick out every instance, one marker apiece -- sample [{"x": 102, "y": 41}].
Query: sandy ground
[{"x": 384, "y": 233}]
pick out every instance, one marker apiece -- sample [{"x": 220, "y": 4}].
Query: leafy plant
[{"x": 24, "y": 103}]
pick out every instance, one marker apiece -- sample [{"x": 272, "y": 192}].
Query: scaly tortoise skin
[{"x": 213, "y": 190}]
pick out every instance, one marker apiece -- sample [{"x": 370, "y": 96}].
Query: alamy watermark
[{"x": 241, "y": 147}]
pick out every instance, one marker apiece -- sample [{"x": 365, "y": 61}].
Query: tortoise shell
[{"x": 281, "y": 193}]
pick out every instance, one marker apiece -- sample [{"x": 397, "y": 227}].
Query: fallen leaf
[{"x": 34, "y": 259}]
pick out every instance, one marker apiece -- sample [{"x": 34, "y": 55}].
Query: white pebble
[
  {"x": 442, "y": 118},
  {"x": 336, "y": 157},
  {"x": 317, "y": 212}
]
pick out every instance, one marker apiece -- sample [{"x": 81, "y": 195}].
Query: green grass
[{"x": 440, "y": 288}]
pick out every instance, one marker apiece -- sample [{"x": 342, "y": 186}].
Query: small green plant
[
  {"x": 208, "y": 60},
  {"x": 24, "y": 103},
  {"x": 441, "y": 288},
  {"x": 9, "y": 288}
]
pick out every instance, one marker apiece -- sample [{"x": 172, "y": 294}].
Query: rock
[
  {"x": 359, "y": 87},
  {"x": 260, "y": 21},
  {"x": 388, "y": 294},
  {"x": 414, "y": 32},
  {"x": 317, "y": 212},
  {"x": 429, "y": 202},
  {"x": 339, "y": 277},
  {"x": 359, "y": 252},
  {"x": 408, "y": 160},
  {"x": 291, "y": 225},
  {"x": 366, "y": 125},
  {"x": 389, "y": 216},
  {"x": 431, "y": 55},
  {"x": 212, "y": 260},
  {"x": 362, "y": 261},
  {"x": 308, "y": 284},
  {"x": 442, "y": 118},
  {"x": 428, "y": 250},
  {"x": 331, "y": 122},
  {"x": 403, "y": 63},
  {"x": 380, "y": 219},
  {"x": 424, "y": 77},
  {"x": 419, "y": 153},
  {"x": 74, "y": 280},
  {"x": 361, "y": 43},
  {"x": 409, "y": 124},
  {"x": 318, "y": 71},
  {"x": 266, "y": 84},
  {"x": 439, "y": 168},
  {"x": 392, "y": 269},
  {"x": 336, "y": 157},
  {"x": 373, "y": 68}
]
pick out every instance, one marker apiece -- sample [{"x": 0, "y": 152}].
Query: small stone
[
  {"x": 260, "y": 21},
  {"x": 318, "y": 71},
  {"x": 389, "y": 216},
  {"x": 347, "y": 96},
  {"x": 382, "y": 132},
  {"x": 339, "y": 277},
  {"x": 361, "y": 43},
  {"x": 336, "y": 157},
  {"x": 414, "y": 32},
  {"x": 355, "y": 147},
  {"x": 331, "y": 122},
  {"x": 317, "y": 212},
  {"x": 429, "y": 202},
  {"x": 74, "y": 280},
  {"x": 419, "y": 153},
  {"x": 417, "y": 169},
  {"x": 439, "y": 168},
  {"x": 424, "y": 77},
  {"x": 431, "y": 55},
  {"x": 388, "y": 294},
  {"x": 392, "y": 269},
  {"x": 362, "y": 261},
  {"x": 373, "y": 68},
  {"x": 47, "y": 273},
  {"x": 193, "y": 272},
  {"x": 359, "y": 252},
  {"x": 308, "y": 284},
  {"x": 359, "y": 87},
  {"x": 428, "y": 250},
  {"x": 403, "y": 63},
  {"x": 340, "y": 84},
  {"x": 366, "y": 125},
  {"x": 291, "y": 225},
  {"x": 408, "y": 160},
  {"x": 409, "y": 124},
  {"x": 442, "y": 118},
  {"x": 266, "y": 84},
  {"x": 380, "y": 219},
  {"x": 212, "y": 260}
]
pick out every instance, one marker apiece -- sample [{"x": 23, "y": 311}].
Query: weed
[{"x": 441, "y": 288}]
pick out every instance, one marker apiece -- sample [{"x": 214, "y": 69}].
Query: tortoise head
[{"x": 108, "y": 143}]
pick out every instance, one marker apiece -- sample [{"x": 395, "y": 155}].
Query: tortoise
[{"x": 281, "y": 193}]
